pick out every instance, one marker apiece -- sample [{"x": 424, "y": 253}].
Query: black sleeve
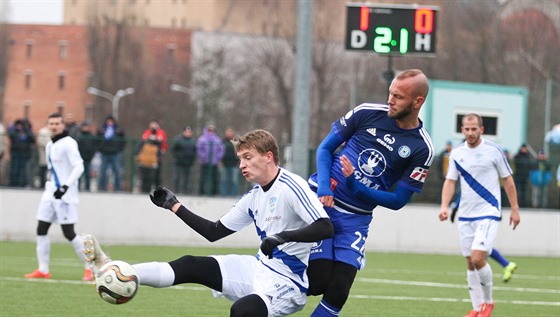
[
  {"x": 212, "y": 231},
  {"x": 318, "y": 230}
]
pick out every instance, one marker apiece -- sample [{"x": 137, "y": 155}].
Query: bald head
[{"x": 420, "y": 83}]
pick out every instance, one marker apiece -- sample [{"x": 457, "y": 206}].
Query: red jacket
[{"x": 161, "y": 137}]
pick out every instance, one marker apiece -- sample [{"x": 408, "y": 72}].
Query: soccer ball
[{"x": 116, "y": 282}]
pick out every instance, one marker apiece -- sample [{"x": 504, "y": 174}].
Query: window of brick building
[
  {"x": 26, "y": 107},
  {"x": 171, "y": 52},
  {"x": 62, "y": 49},
  {"x": 27, "y": 75},
  {"x": 60, "y": 107},
  {"x": 28, "y": 48},
  {"x": 61, "y": 79}
]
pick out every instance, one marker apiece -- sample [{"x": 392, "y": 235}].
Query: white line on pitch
[
  {"x": 446, "y": 285},
  {"x": 357, "y": 296}
]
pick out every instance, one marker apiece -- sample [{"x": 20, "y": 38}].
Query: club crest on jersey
[
  {"x": 404, "y": 151},
  {"x": 419, "y": 174},
  {"x": 272, "y": 202},
  {"x": 371, "y": 162}
]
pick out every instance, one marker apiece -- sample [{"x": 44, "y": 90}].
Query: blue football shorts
[{"x": 349, "y": 241}]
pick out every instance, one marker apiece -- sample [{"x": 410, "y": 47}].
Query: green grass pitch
[{"x": 391, "y": 285}]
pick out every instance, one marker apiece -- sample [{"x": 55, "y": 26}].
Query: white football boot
[{"x": 94, "y": 255}]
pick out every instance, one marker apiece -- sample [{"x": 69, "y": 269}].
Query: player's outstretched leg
[{"x": 94, "y": 255}]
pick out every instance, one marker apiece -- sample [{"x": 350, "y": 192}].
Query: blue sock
[
  {"x": 325, "y": 310},
  {"x": 499, "y": 258}
]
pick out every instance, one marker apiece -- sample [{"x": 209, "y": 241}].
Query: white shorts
[
  {"x": 477, "y": 235},
  {"x": 243, "y": 275},
  {"x": 57, "y": 211}
]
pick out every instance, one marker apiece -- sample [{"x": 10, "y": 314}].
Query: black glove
[
  {"x": 163, "y": 197},
  {"x": 60, "y": 191},
  {"x": 453, "y": 214},
  {"x": 269, "y": 243}
]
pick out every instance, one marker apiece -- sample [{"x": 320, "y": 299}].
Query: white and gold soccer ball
[{"x": 116, "y": 282}]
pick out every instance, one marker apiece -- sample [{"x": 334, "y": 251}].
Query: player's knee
[
  {"x": 43, "y": 228},
  {"x": 68, "y": 232},
  {"x": 338, "y": 291},
  {"x": 319, "y": 273},
  {"x": 249, "y": 306}
]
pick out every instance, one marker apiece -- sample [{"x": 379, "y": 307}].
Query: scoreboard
[{"x": 396, "y": 30}]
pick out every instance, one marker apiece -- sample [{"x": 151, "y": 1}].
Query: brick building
[{"x": 49, "y": 69}]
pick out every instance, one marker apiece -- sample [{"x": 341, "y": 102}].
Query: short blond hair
[{"x": 260, "y": 140}]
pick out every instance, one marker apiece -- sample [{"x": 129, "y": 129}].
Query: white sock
[
  {"x": 155, "y": 274},
  {"x": 485, "y": 276},
  {"x": 78, "y": 244},
  {"x": 43, "y": 253},
  {"x": 475, "y": 289}
]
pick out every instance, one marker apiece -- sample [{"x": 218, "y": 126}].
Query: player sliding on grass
[{"x": 288, "y": 216}]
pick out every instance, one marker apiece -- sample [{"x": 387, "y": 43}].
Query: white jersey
[
  {"x": 480, "y": 169},
  {"x": 288, "y": 205},
  {"x": 63, "y": 158}
]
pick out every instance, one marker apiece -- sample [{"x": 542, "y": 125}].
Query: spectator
[
  {"x": 443, "y": 160},
  {"x": 522, "y": 163},
  {"x": 2, "y": 132},
  {"x": 161, "y": 136},
  {"x": 43, "y": 137},
  {"x": 148, "y": 159},
  {"x": 540, "y": 177},
  {"x": 184, "y": 152},
  {"x": 87, "y": 145},
  {"x": 111, "y": 140},
  {"x": 210, "y": 150},
  {"x": 70, "y": 126},
  {"x": 22, "y": 141},
  {"x": 229, "y": 170}
]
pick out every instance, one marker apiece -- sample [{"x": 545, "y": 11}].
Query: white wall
[{"x": 133, "y": 219}]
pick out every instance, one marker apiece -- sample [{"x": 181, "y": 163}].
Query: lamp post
[
  {"x": 114, "y": 99},
  {"x": 188, "y": 92}
]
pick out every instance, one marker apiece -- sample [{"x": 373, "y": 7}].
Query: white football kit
[
  {"x": 64, "y": 160},
  {"x": 281, "y": 281},
  {"x": 479, "y": 211}
]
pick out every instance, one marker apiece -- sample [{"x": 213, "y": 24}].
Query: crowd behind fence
[{"x": 130, "y": 180}]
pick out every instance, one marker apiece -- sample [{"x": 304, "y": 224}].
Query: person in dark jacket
[
  {"x": 229, "y": 169},
  {"x": 87, "y": 146},
  {"x": 112, "y": 141},
  {"x": 184, "y": 152},
  {"x": 522, "y": 162},
  {"x": 22, "y": 142}
]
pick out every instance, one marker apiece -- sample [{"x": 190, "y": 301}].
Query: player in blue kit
[
  {"x": 383, "y": 146},
  {"x": 288, "y": 218}
]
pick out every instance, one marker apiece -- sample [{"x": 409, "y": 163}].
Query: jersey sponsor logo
[
  {"x": 372, "y": 131},
  {"x": 316, "y": 247},
  {"x": 389, "y": 139},
  {"x": 385, "y": 144},
  {"x": 419, "y": 174},
  {"x": 273, "y": 218},
  {"x": 404, "y": 151},
  {"x": 371, "y": 162}
]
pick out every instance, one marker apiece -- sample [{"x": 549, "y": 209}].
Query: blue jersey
[{"x": 382, "y": 153}]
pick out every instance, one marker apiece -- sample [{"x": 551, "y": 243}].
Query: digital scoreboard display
[{"x": 396, "y": 30}]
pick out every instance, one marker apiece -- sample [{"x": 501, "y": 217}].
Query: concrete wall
[{"x": 133, "y": 219}]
